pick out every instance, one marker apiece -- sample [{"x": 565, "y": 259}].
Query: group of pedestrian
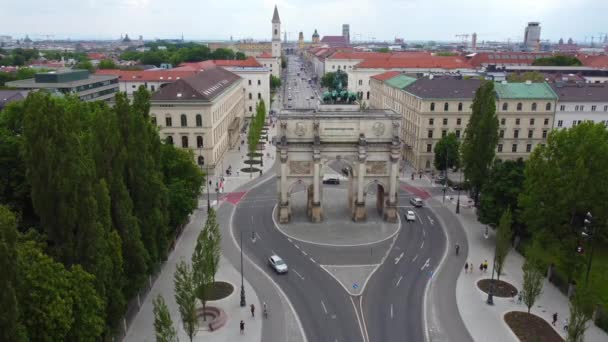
[
  {"x": 468, "y": 266},
  {"x": 252, "y": 309}
]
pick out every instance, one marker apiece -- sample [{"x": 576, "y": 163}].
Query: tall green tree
[
  {"x": 205, "y": 259},
  {"x": 87, "y": 308},
  {"x": 564, "y": 180},
  {"x": 581, "y": 311},
  {"x": 533, "y": 283},
  {"x": 503, "y": 241},
  {"x": 501, "y": 191},
  {"x": 481, "y": 137},
  {"x": 533, "y": 76},
  {"x": 214, "y": 242},
  {"x": 107, "y": 64},
  {"x": 163, "y": 324},
  {"x": 559, "y": 60},
  {"x": 185, "y": 296},
  {"x": 275, "y": 82},
  {"x": 183, "y": 180},
  {"x": 11, "y": 327},
  {"x": 447, "y": 150}
]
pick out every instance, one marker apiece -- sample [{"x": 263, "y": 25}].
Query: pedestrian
[
  {"x": 554, "y": 319},
  {"x": 481, "y": 267},
  {"x": 252, "y": 310},
  {"x": 457, "y": 248},
  {"x": 466, "y": 267},
  {"x": 485, "y": 265},
  {"x": 513, "y": 295},
  {"x": 265, "y": 310},
  {"x": 519, "y": 297},
  {"x": 566, "y": 324},
  {"x": 242, "y": 325}
]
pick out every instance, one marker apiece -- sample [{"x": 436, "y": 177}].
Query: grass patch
[{"x": 220, "y": 290}]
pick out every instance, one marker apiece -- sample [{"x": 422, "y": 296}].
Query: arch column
[
  {"x": 359, "y": 212},
  {"x": 284, "y": 205},
  {"x": 390, "y": 210},
  {"x": 316, "y": 214}
]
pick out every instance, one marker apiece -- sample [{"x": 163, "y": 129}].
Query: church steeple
[{"x": 275, "y": 15}]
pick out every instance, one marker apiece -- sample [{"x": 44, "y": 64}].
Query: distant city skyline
[{"x": 379, "y": 20}]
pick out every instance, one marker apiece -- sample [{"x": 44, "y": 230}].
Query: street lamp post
[
  {"x": 445, "y": 175},
  {"x": 590, "y": 232},
  {"x": 201, "y": 162},
  {"x": 490, "y": 300},
  {"x": 458, "y": 200},
  {"x": 243, "y": 302}
]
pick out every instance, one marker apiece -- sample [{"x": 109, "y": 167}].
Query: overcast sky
[{"x": 381, "y": 19}]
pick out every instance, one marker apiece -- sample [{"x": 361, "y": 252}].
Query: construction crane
[{"x": 464, "y": 37}]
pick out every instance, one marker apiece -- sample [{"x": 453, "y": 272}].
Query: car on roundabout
[
  {"x": 277, "y": 264},
  {"x": 410, "y": 216}
]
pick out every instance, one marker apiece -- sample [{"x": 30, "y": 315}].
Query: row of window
[
  {"x": 501, "y": 133},
  {"x": 185, "y": 144},
  {"x": 499, "y": 148},
  {"x": 560, "y": 123},
  {"x": 444, "y": 132},
  {"x": 446, "y": 107},
  {"x": 503, "y": 121},
  {"x": 183, "y": 120},
  {"x": 445, "y": 121},
  {"x": 259, "y": 82},
  {"x": 581, "y": 108},
  {"x": 259, "y": 96}
]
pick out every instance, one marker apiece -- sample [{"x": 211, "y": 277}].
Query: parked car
[
  {"x": 277, "y": 264},
  {"x": 416, "y": 202},
  {"x": 410, "y": 216},
  {"x": 331, "y": 180}
]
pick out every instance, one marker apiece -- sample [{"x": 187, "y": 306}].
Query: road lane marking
[
  {"x": 366, "y": 338},
  {"x": 423, "y": 232},
  {"x": 426, "y": 264},
  {"x": 398, "y": 281},
  {"x": 397, "y": 259},
  {"x": 422, "y": 245},
  {"x": 304, "y": 253},
  {"x": 358, "y": 318},
  {"x": 416, "y": 257},
  {"x": 431, "y": 220},
  {"x": 391, "y": 311},
  {"x": 298, "y": 247},
  {"x": 324, "y": 308},
  {"x": 313, "y": 260},
  {"x": 258, "y": 235},
  {"x": 299, "y": 275}
]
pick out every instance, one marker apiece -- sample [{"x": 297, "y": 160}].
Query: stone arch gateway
[{"x": 368, "y": 139}]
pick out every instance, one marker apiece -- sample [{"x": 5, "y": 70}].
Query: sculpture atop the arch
[
  {"x": 337, "y": 93},
  {"x": 308, "y": 140}
]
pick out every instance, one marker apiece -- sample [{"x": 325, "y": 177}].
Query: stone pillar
[
  {"x": 316, "y": 209},
  {"x": 359, "y": 212},
  {"x": 284, "y": 206},
  {"x": 390, "y": 209}
]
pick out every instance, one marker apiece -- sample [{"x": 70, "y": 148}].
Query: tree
[
  {"x": 447, "y": 149},
  {"x": 327, "y": 80},
  {"x": 107, "y": 64},
  {"x": 213, "y": 243},
  {"x": 185, "y": 296},
  {"x": 503, "y": 241},
  {"x": 223, "y": 53},
  {"x": 163, "y": 324},
  {"x": 533, "y": 282},
  {"x": 563, "y": 181},
  {"x": 505, "y": 183},
  {"x": 558, "y": 60},
  {"x": 240, "y": 56},
  {"x": 275, "y": 82},
  {"x": 384, "y": 50},
  {"x": 283, "y": 62},
  {"x": 87, "y": 65},
  {"x": 201, "y": 266},
  {"x": 533, "y": 76},
  {"x": 183, "y": 180},
  {"x": 11, "y": 328},
  {"x": 87, "y": 308},
  {"x": 581, "y": 312},
  {"x": 481, "y": 137}
]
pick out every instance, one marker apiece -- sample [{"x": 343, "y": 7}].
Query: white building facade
[{"x": 578, "y": 103}]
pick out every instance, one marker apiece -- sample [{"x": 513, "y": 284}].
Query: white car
[
  {"x": 277, "y": 264},
  {"x": 410, "y": 216}
]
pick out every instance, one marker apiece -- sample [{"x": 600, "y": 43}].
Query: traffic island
[
  {"x": 530, "y": 328},
  {"x": 501, "y": 288},
  {"x": 250, "y": 169},
  {"x": 219, "y": 290}
]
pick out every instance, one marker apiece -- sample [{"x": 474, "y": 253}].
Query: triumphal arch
[{"x": 368, "y": 141}]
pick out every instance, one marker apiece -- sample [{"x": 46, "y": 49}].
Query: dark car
[{"x": 331, "y": 181}]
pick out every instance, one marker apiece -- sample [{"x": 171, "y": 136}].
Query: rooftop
[
  {"x": 309, "y": 114},
  {"x": 524, "y": 91},
  {"x": 581, "y": 92},
  {"x": 400, "y": 81},
  {"x": 147, "y": 76},
  {"x": 444, "y": 88},
  {"x": 204, "y": 86},
  {"x": 31, "y": 83},
  {"x": 415, "y": 61},
  {"x": 386, "y": 75}
]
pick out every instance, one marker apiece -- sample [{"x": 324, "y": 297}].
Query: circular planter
[
  {"x": 220, "y": 290},
  {"x": 258, "y": 155},
  {"x": 501, "y": 288},
  {"x": 530, "y": 328},
  {"x": 250, "y": 169},
  {"x": 252, "y": 162}
]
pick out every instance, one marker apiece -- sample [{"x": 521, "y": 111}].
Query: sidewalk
[
  {"x": 485, "y": 322},
  {"x": 142, "y": 326}
]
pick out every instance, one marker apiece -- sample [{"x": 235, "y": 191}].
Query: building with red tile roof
[
  {"x": 386, "y": 75},
  {"x": 335, "y": 41},
  {"x": 597, "y": 62},
  {"x": 130, "y": 80},
  {"x": 502, "y": 59}
]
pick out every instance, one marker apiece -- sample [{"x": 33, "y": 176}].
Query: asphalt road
[
  {"x": 392, "y": 303},
  {"x": 302, "y": 94}
]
